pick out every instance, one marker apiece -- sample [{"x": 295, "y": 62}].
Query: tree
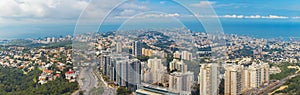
[
  {"x": 123, "y": 91},
  {"x": 14, "y": 82},
  {"x": 81, "y": 93},
  {"x": 169, "y": 59},
  {"x": 221, "y": 87},
  {"x": 143, "y": 58},
  {"x": 196, "y": 89}
]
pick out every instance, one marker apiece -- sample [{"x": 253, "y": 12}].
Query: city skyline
[{"x": 149, "y": 47}]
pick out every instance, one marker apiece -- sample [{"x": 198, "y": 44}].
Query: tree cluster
[{"x": 14, "y": 82}]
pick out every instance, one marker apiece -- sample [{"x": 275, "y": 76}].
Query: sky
[{"x": 30, "y": 17}]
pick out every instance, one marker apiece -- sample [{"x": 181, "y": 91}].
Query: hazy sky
[
  {"x": 64, "y": 11},
  {"x": 29, "y": 15}
]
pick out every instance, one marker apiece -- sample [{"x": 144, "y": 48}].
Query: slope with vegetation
[{"x": 14, "y": 82}]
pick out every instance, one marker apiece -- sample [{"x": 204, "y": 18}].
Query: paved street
[
  {"x": 107, "y": 90},
  {"x": 282, "y": 82},
  {"x": 87, "y": 78},
  {"x": 271, "y": 88}
]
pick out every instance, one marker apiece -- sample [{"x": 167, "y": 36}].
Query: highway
[
  {"x": 107, "y": 89},
  {"x": 271, "y": 87},
  {"x": 282, "y": 82},
  {"x": 87, "y": 80}
]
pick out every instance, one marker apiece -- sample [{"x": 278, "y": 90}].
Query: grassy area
[
  {"x": 293, "y": 87},
  {"x": 20, "y": 42},
  {"x": 284, "y": 71},
  {"x": 2, "y": 48},
  {"x": 96, "y": 91},
  {"x": 29, "y": 43},
  {"x": 292, "y": 84},
  {"x": 67, "y": 44},
  {"x": 80, "y": 45}
]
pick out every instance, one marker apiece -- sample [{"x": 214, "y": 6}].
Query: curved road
[{"x": 88, "y": 80}]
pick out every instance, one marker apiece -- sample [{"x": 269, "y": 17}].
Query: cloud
[
  {"x": 232, "y": 16},
  {"x": 162, "y": 2},
  {"x": 266, "y": 17},
  {"x": 275, "y": 17},
  {"x": 226, "y": 5},
  {"x": 172, "y": 15},
  {"x": 151, "y": 15},
  {"x": 62, "y": 11},
  {"x": 159, "y": 15},
  {"x": 254, "y": 16},
  {"x": 39, "y": 9},
  {"x": 28, "y": 11},
  {"x": 131, "y": 9},
  {"x": 214, "y": 4},
  {"x": 99, "y": 8},
  {"x": 203, "y": 4},
  {"x": 18, "y": 8},
  {"x": 53, "y": 3},
  {"x": 128, "y": 12},
  {"x": 296, "y": 17},
  {"x": 133, "y": 6},
  {"x": 206, "y": 4}
]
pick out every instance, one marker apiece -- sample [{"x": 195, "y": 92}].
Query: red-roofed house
[{"x": 71, "y": 75}]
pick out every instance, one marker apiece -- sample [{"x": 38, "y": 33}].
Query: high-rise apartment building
[
  {"x": 240, "y": 79},
  {"x": 209, "y": 79},
  {"x": 119, "y": 47},
  {"x": 122, "y": 69},
  {"x": 233, "y": 80},
  {"x": 121, "y": 72},
  {"x": 105, "y": 61},
  {"x": 137, "y": 48},
  {"x": 156, "y": 70},
  {"x": 115, "y": 60},
  {"x": 133, "y": 74},
  {"x": 176, "y": 55},
  {"x": 258, "y": 74},
  {"x": 128, "y": 73},
  {"x": 181, "y": 82},
  {"x": 176, "y": 64},
  {"x": 185, "y": 55},
  {"x": 147, "y": 52}
]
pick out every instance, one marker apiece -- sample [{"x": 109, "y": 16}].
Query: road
[
  {"x": 87, "y": 79},
  {"x": 282, "y": 82},
  {"x": 107, "y": 89},
  {"x": 270, "y": 87}
]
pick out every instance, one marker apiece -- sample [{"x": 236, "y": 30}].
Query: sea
[{"x": 267, "y": 29}]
